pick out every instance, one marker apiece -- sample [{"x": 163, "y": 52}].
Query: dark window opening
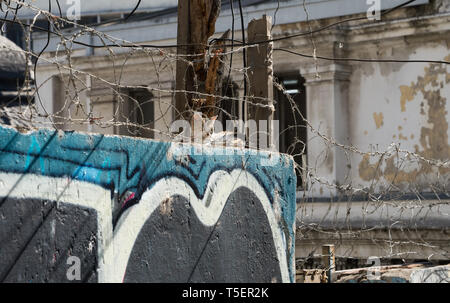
[
  {"x": 15, "y": 33},
  {"x": 293, "y": 131},
  {"x": 88, "y": 20},
  {"x": 141, "y": 111},
  {"x": 229, "y": 108},
  {"x": 41, "y": 25},
  {"x": 110, "y": 17}
]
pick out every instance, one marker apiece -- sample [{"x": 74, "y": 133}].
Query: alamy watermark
[
  {"x": 374, "y": 11},
  {"x": 209, "y": 137},
  {"x": 74, "y": 271},
  {"x": 373, "y": 272},
  {"x": 73, "y": 12}
]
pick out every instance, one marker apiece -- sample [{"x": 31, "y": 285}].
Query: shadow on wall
[{"x": 92, "y": 208}]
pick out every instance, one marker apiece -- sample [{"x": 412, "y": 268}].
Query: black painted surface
[
  {"x": 240, "y": 249},
  {"x": 37, "y": 237}
]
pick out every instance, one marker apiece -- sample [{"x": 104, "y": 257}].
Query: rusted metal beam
[
  {"x": 184, "y": 75},
  {"x": 196, "y": 24}
]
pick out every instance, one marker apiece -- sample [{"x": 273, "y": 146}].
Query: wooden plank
[
  {"x": 329, "y": 261},
  {"x": 182, "y": 72},
  {"x": 260, "y": 75}
]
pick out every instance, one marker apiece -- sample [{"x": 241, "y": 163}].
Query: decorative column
[{"x": 327, "y": 90}]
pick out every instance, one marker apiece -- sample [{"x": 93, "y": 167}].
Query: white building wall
[{"x": 384, "y": 109}]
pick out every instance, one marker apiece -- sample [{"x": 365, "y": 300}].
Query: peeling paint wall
[
  {"x": 371, "y": 105},
  {"x": 137, "y": 211},
  {"x": 412, "y": 111}
]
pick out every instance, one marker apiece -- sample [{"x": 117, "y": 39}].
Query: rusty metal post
[
  {"x": 329, "y": 261},
  {"x": 196, "y": 24}
]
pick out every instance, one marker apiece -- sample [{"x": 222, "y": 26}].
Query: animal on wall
[{"x": 203, "y": 130}]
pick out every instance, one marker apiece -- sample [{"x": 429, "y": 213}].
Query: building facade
[{"x": 356, "y": 109}]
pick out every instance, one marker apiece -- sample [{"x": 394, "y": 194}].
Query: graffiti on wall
[{"x": 133, "y": 211}]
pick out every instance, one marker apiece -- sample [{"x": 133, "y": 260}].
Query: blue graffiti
[
  {"x": 124, "y": 165},
  {"x": 34, "y": 149}
]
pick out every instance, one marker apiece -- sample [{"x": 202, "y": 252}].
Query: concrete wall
[
  {"x": 408, "y": 230},
  {"x": 139, "y": 211},
  {"x": 413, "y": 273}
]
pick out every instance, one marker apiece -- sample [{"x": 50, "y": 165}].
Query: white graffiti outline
[
  {"x": 220, "y": 186},
  {"x": 69, "y": 191},
  {"x": 113, "y": 258}
]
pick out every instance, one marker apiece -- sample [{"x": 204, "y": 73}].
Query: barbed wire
[{"x": 86, "y": 84}]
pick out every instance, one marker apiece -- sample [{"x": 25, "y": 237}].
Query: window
[
  {"x": 15, "y": 33},
  {"x": 293, "y": 131},
  {"x": 141, "y": 111},
  {"x": 88, "y": 20},
  {"x": 110, "y": 17}
]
